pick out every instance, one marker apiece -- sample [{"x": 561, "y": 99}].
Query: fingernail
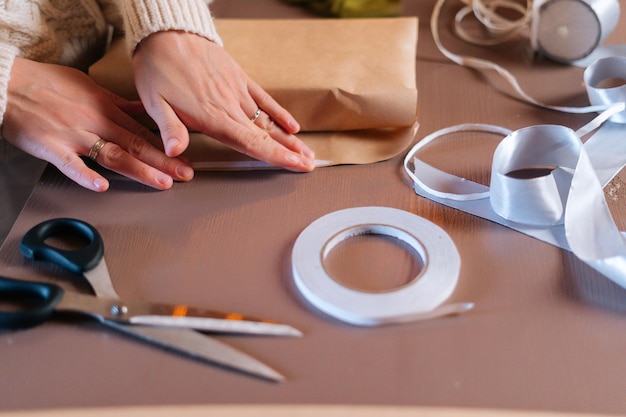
[
  {"x": 184, "y": 172},
  {"x": 164, "y": 179},
  {"x": 294, "y": 126},
  {"x": 308, "y": 152},
  {"x": 100, "y": 184},
  {"x": 309, "y": 162},
  {"x": 294, "y": 159},
  {"x": 171, "y": 146}
]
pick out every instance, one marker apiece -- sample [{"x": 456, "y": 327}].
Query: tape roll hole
[{"x": 374, "y": 258}]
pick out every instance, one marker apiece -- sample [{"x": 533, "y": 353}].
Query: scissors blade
[
  {"x": 166, "y": 315},
  {"x": 219, "y": 324},
  {"x": 100, "y": 280},
  {"x": 182, "y": 341},
  {"x": 198, "y": 347},
  {"x": 170, "y": 316}
]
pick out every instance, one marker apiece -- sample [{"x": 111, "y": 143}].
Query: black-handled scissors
[
  {"x": 85, "y": 258},
  {"x": 108, "y": 308},
  {"x": 46, "y": 297}
]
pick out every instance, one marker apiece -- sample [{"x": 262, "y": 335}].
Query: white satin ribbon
[
  {"x": 483, "y": 64},
  {"x": 564, "y": 207},
  {"x": 607, "y": 69}
]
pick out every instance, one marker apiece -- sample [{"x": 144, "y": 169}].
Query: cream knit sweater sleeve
[{"x": 144, "y": 17}]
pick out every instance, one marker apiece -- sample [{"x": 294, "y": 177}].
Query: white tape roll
[
  {"x": 432, "y": 286},
  {"x": 569, "y": 30}
]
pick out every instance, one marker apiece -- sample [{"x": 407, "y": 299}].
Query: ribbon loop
[
  {"x": 546, "y": 156},
  {"x": 610, "y": 71}
]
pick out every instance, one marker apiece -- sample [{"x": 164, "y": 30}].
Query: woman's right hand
[
  {"x": 188, "y": 82},
  {"x": 57, "y": 114}
]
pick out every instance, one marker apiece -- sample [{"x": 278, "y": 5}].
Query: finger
[
  {"x": 257, "y": 143},
  {"x": 278, "y": 122},
  {"x": 138, "y": 141},
  {"x": 75, "y": 169},
  {"x": 174, "y": 133},
  {"x": 142, "y": 161},
  {"x": 239, "y": 130},
  {"x": 289, "y": 140},
  {"x": 65, "y": 157},
  {"x": 143, "y": 151},
  {"x": 113, "y": 157},
  {"x": 272, "y": 108}
]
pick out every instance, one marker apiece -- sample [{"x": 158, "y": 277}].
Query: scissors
[{"x": 163, "y": 325}]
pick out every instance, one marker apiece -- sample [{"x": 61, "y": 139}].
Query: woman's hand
[
  {"x": 187, "y": 82},
  {"x": 58, "y": 113}
]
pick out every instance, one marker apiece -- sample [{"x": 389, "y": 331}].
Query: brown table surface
[{"x": 547, "y": 333}]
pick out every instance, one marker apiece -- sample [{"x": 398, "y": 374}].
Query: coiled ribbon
[
  {"x": 559, "y": 39},
  {"x": 570, "y": 31},
  {"x": 566, "y": 206}
]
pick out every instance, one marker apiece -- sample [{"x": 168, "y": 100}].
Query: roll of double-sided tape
[
  {"x": 570, "y": 30},
  {"x": 434, "y": 283}
]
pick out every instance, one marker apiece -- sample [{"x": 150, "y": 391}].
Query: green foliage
[{"x": 352, "y": 8}]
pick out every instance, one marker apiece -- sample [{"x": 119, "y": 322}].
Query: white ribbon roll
[
  {"x": 570, "y": 30},
  {"x": 420, "y": 299},
  {"x": 564, "y": 206}
]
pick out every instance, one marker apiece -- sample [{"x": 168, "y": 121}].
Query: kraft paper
[{"x": 350, "y": 83}]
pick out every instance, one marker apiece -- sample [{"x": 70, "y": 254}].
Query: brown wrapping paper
[{"x": 350, "y": 83}]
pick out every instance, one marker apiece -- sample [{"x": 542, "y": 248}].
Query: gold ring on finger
[{"x": 96, "y": 148}]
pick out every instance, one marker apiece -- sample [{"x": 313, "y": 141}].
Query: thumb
[{"x": 174, "y": 133}]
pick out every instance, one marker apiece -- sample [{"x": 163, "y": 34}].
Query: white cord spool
[{"x": 569, "y": 30}]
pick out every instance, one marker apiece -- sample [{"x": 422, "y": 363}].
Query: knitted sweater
[{"x": 74, "y": 32}]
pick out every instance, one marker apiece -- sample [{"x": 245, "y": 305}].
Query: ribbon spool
[
  {"x": 418, "y": 299},
  {"x": 569, "y": 30}
]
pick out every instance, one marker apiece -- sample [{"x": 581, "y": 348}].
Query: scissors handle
[
  {"x": 79, "y": 260},
  {"x": 36, "y": 302}
]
